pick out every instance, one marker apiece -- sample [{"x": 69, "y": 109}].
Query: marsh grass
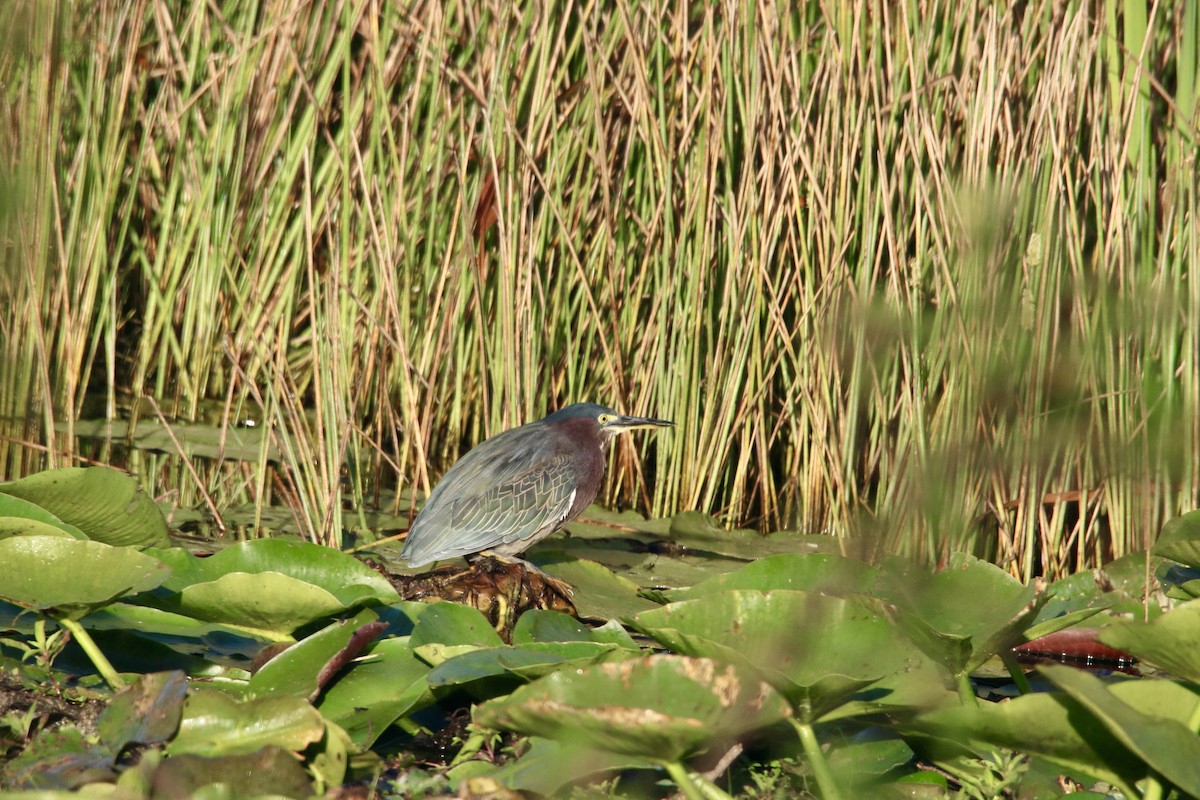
[{"x": 923, "y": 271}]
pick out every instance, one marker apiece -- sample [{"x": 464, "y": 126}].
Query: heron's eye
[{"x": 606, "y": 418}]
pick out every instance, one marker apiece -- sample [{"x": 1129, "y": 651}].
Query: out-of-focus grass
[{"x": 923, "y": 270}]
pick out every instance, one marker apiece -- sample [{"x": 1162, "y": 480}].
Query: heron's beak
[{"x": 624, "y": 423}]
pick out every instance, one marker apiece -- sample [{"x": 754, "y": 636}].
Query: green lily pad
[
  {"x": 147, "y": 712},
  {"x": 549, "y": 767},
  {"x": 165, "y": 625},
  {"x": 1172, "y": 641},
  {"x": 269, "y": 587},
  {"x": 1065, "y": 730},
  {"x": 270, "y": 772},
  {"x": 304, "y": 668},
  {"x": 964, "y": 614},
  {"x": 388, "y": 683},
  {"x": 612, "y": 632},
  {"x": 215, "y": 724},
  {"x": 343, "y": 576},
  {"x": 1168, "y": 746},
  {"x": 447, "y": 629},
  {"x": 453, "y": 624},
  {"x": 1179, "y": 539},
  {"x": 664, "y": 708},
  {"x": 700, "y": 532},
  {"x": 15, "y": 511},
  {"x": 195, "y": 438},
  {"x": 59, "y": 759},
  {"x": 827, "y": 573},
  {"x": 266, "y": 603},
  {"x": 599, "y": 592},
  {"x": 537, "y": 625},
  {"x": 18, "y": 526},
  {"x": 520, "y": 663},
  {"x": 72, "y": 577},
  {"x": 105, "y": 504},
  {"x": 817, "y": 650}
]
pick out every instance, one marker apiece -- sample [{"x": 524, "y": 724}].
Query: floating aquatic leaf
[
  {"x": 304, "y": 668},
  {"x": 70, "y": 576},
  {"x": 20, "y": 517},
  {"x": 215, "y": 724},
  {"x": 1164, "y": 742},
  {"x": 266, "y": 603},
  {"x": 599, "y": 592},
  {"x": 657, "y": 707},
  {"x": 548, "y": 767},
  {"x": 1172, "y": 641},
  {"x": 1076, "y": 729},
  {"x": 965, "y": 613},
  {"x": 1179, "y": 539},
  {"x": 519, "y": 663},
  {"x": 817, "y": 650},
  {"x": 537, "y": 625},
  {"x": 147, "y": 712},
  {"x": 390, "y": 682},
  {"x": 270, "y": 772},
  {"x": 105, "y": 504},
  {"x": 814, "y": 572},
  {"x": 343, "y": 576}
]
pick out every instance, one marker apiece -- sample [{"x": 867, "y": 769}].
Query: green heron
[{"x": 519, "y": 486}]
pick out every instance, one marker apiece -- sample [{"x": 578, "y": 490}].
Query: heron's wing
[{"x": 511, "y": 488}]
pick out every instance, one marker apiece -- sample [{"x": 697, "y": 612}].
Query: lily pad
[
  {"x": 19, "y": 526},
  {"x": 453, "y": 624},
  {"x": 599, "y": 592},
  {"x": 72, "y": 577},
  {"x": 145, "y": 713},
  {"x": 538, "y": 625},
  {"x": 105, "y": 504},
  {"x": 266, "y": 603},
  {"x": 817, "y": 650},
  {"x": 59, "y": 759},
  {"x": 182, "y": 633},
  {"x": 215, "y": 724},
  {"x": 14, "y": 511},
  {"x": 1172, "y": 641},
  {"x": 700, "y": 532},
  {"x": 1167, "y": 746},
  {"x": 1179, "y": 539},
  {"x": 343, "y": 576},
  {"x": 268, "y": 586},
  {"x": 827, "y": 573},
  {"x": 307, "y": 666},
  {"x": 548, "y": 767},
  {"x": 964, "y": 614},
  {"x": 1064, "y": 729},
  {"x": 664, "y": 708},
  {"x": 270, "y": 772},
  {"x": 388, "y": 683},
  {"x": 519, "y": 663}
]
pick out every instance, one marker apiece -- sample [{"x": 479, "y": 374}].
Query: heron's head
[{"x": 608, "y": 422}]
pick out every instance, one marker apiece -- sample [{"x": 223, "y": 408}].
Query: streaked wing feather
[{"x": 506, "y": 489}]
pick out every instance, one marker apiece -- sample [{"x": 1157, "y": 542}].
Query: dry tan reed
[{"x": 921, "y": 271}]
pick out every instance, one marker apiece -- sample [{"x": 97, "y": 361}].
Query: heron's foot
[{"x": 560, "y": 587}]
